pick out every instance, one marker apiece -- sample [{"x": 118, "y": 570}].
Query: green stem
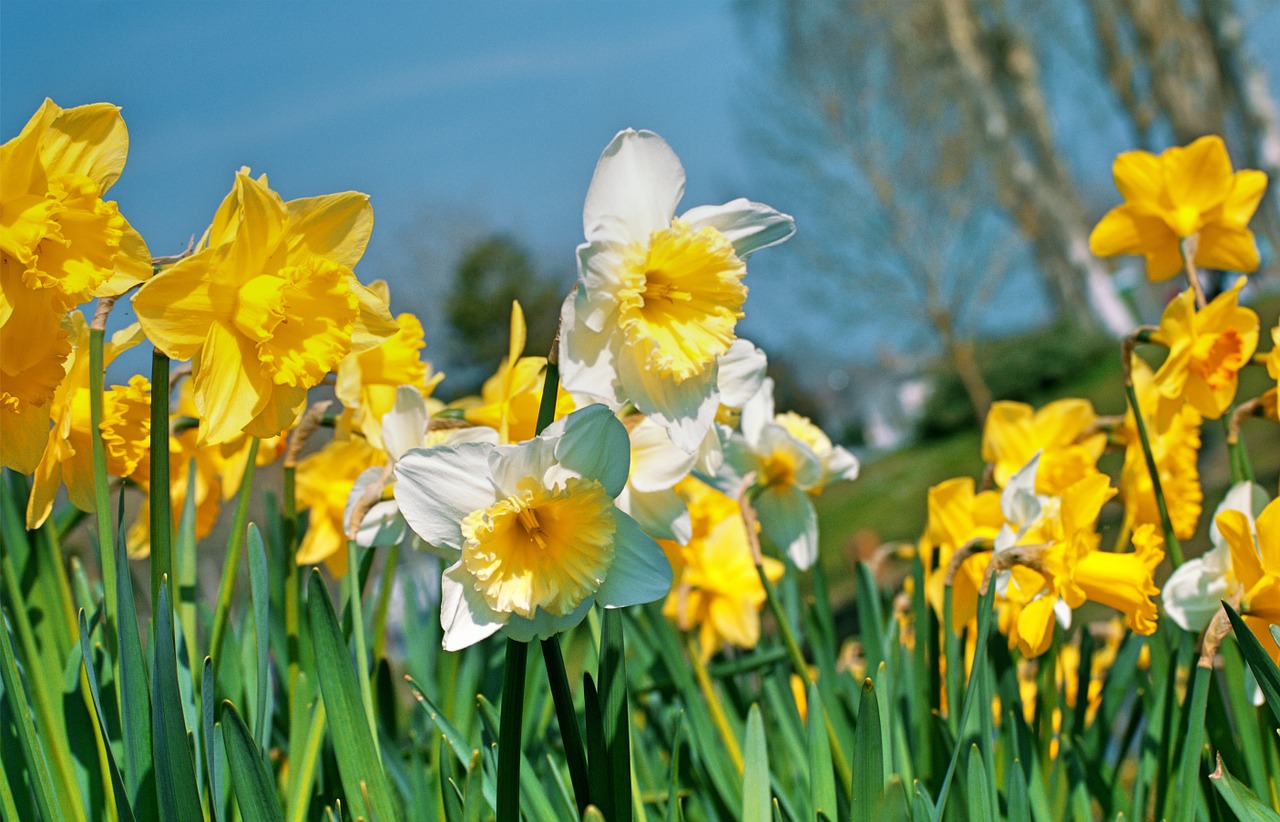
[
  {"x": 1241, "y": 470},
  {"x": 567, "y": 718},
  {"x": 357, "y": 632},
  {"x": 1172, "y": 546},
  {"x": 161, "y": 509},
  {"x": 231, "y": 568},
  {"x": 383, "y": 604},
  {"x": 101, "y": 494},
  {"x": 509, "y": 730},
  {"x": 801, "y": 668},
  {"x": 712, "y": 699},
  {"x": 291, "y": 579}
]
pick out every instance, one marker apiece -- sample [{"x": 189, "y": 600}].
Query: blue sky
[{"x": 445, "y": 113}]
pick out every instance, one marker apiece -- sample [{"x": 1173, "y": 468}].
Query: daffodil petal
[
  {"x": 685, "y": 409},
  {"x": 662, "y": 514},
  {"x": 405, "y": 425},
  {"x": 374, "y": 324},
  {"x": 741, "y": 373},
  {"x": 1139, "y": 176},
  {"x": 437, "y": 487},
  {"x": 1116, "y": 233},
  {"x": 787, "y": 518},
  {"x": 586, "y": 359},
  {"x": 757, "y": 412},
  {"x": 1246, "y": 193},
  {"x": 634, "y": 191},
  {"x": 1199, "y": 175},
  {"x": 594, "y": 445},
  {"x": 229, "y": 387},
  {"x": 382, "y": 523},
  {"x": 91, "y": 140},
  {"x": 132, "y": 265},
  {"x": 656, "y": 463},
  {"x": 177, "y": 307},
  {"x": 640, "y": 572},
  {"x": 336, "y": 226},
  {"x": 1227, "y": 248},
  {"x": 464, "y": 615},
  {"x": 748, "y": 226},
  {"x": 544, "y": 625},
  {"x": 1194, "y": 593}
]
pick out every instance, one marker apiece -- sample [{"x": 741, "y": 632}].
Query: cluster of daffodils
[
  {"x": 1033, "y": 532},
  {"x": 660, "y": 469}
]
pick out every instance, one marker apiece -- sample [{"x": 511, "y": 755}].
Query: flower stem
[
  {"x": 713, "y": 703},
  {"x": 567, "y": 718},
  {"x": 101, "y": 494},
  {"x": 509, "y": 731},
  {"x": 231, "y": 567},
  {"x": 161, "y": 507},
  {"x": 1188, "y": 247}
]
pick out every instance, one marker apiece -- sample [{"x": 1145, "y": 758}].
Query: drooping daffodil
[
  {"x": 658, "y": 296},
  {"x": 533, "y": 529}
]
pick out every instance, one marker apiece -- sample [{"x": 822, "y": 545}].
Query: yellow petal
[
  {"x": 1139, "y": 177},
  {"x": 1199, "y": 175},
  {"x": 132, "y": 264},
  {"x": 90, "y": 140},
  {"x": 1245, "y": 562},
  {"x": 1227, "y": 248},
  {"x": 26, "y": 432},
  {"x": 1246, "y": 192},
  {"x": 1035, "y": 626},
  {"x": 336, "y": 226},
  {"x": 1116, "y": 233},
  {"x": 1269, "y": 537},
  {"x": 280, "y": 411},
  {"x": 230, "y": 388},
  {"x": 260, "y": 223},
  {"x": 374, "y": 324},
  {"x": 1165, "y": 262},
  {"x": 20, "y": 166},
  {"x": 177, "y": 307}
]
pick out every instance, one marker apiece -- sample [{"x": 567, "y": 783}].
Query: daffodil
[
  {"x": 658, "y": 297},
  {"x": 1255, "y": 565},
  {"x": 324, "y": 482},
  {"x": 1273, "y": 359},
  {"x": 68, "y": 452},
  {"x": 267, "y": 307},
  {"x": 532, "y": 528},
  {"x": 367, "y": 382},
  {"x": 61, "y": 245},
  {"x": 1207, "y": 349},
  {"x": 1184, "y": 192},
  {"x": 740, "y": 372},
  {"x": 1062, "y": 432},
  {"x": 716, "y": 589},
  {"x": 1175, "y": 448}
]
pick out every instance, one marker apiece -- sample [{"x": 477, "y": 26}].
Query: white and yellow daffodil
[
  {"x": 658, "y": 296},
  {"x": 533, "y": 529}
]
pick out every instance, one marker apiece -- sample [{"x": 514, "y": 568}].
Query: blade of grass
[
  {"x": 1240, "y": 799},
  {"x": 123, "y": 811},
  {"x": 615, "y": 713},
  {"x": 822, "y": 782},
  {"x": 259, "y": 593},
  {"x": 1264, "y": 670},
  {"x": 231, "y": 566},
  {"x": 212, "y": 765},
  {"x": 101, "y": 492},
  {"x": 868, "y": 769},
  {"x": 971, "y": 692},
  {"x": 756, "y": 797}
]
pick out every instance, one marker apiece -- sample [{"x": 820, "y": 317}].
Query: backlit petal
[
  {"x": 748, "y": 226},
  {"x": 91, "y": 140},
  {"x": 634, "y": 191},
  {"x": 437, "y": 487},
  {"x": 685, "y": 409},
  {"x": 178, "y": 307},
  {"x": 336, "y": 226},
  {"x": 788, "y": 519},
  {"x": 230, "y": 388},
  {"x": 464, "y": 615}
]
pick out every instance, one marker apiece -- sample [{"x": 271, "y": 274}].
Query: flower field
[{"x": 597, "y": 590}]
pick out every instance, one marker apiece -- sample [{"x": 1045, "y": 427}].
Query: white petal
[
  {"x": 586, "y": 359},
  {"x": 437, "y": 487},
  {"x": 757, "y": 412},
  {"x": 739, "y": 460},
  {"x": 840, "y": 464},
  {"x": 640, "y": 572},
  {"x": 741, "y": 373},
  {"x": 686, "y": 410},
  {"x": 405, "y": 425},
  {"x": 656, "y": 463},
  {"x": 595, "y": 445},
  {"x": 710, "y": 454},
  {"x": 662, "y": 514},
  {"x": 544, "y": 625},
  {"x": 1018, "y": 500},
  {"x": 382, "y": 524},
  {"x": 1062, "y": 611},
  {"x": 509, "y": 464},
  {"x": 788, "y": 519},
  {"x": 464, "y": 615},
  {"x": 599, "y": 279},
  {"x": 1194, "y": 592},
  {"x": 472, "y": 433},
  {"x": 749, "y": 226},
  {"x": 634, "y": 191}
]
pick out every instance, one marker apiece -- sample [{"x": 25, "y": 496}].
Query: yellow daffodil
[
  {"x": 1185, "y": 192},
  {"x": 1255, "y": 566},
  {"x": 957, "y": 516},
  {"x": 68, "y": 453},
  {"x": 1207, "y": 349},
  {"x": 658, "y": 297},
  {"x": 267, "y": 307},
  {"x": 367, "y": 382},
  {"x": 61, "y": 245},
  {"x": 324, "y": 482},
  {"x": 1273, "y": 359},
  {"x": 1176, "y": 449},
  {"x": 716, "y": 588},
  {"x": 533, "y": 527},
  {"x": 1061, "y": 431}
]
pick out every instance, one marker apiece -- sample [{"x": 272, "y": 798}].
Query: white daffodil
[
  {"x": 739, "y": 375},
  {"x": 534, "y": 529},
  {"x": 658, "y": 296},
  {"x": 1194, "y": 592},
  {"x": 656, "y": 467},
  {"x": 405, "y": 426}
]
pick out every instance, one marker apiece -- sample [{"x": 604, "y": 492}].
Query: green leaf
[
  {"x": 1240, "y": 799},
  {"x": 135, "y": 698},
  {"x": 673, "y": 811},
  {"x": 1016, "y": 798},
  {"x": 91, "y": 674},
  {"x": 1259, "y": 661},
  {"x": 212, "y": 764},
  {"x": 175, "y": 772},
  {"x": 358, "y": 762},
  {"x": 614, "y": 713},
  {"x": 982, "y": 804},
  {"x": 261, "y": 594},
  {"x": 868, "y": 768},
  {"x": 41, "y": 779},
  {"x": 822, "y": 780},
  {"x": 598, "y": 771},
  {"x": 977, "y": 671},
  {"x": 254, "y": 786},
  {"x": 1188, "y": 779},
  {"x": 474, "y": 807},
  {"x": 756, "y": 797}
]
